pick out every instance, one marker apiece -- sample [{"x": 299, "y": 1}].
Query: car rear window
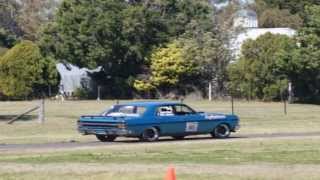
[{"x": 127, "y": 110}]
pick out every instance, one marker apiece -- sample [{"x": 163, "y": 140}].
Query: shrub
[{"x": 23, "y": 68}]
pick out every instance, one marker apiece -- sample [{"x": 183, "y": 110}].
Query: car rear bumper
[{"x": 114, "y": 131}]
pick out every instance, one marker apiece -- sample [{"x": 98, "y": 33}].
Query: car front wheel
[
  {"x": 106, "y": 138},
  {"x": 150, "y": 134},
  {"x": 221, "y": 131}
]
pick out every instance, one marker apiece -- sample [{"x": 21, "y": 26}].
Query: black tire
[
  {"x": 221, "y": 131},
  {"x": 178, "y": 137},
  {"x": 106, "y": 138},
  {"x": 150, "y": 134}
]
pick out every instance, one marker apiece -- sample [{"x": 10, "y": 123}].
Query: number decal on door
[{"x": 192, "y": 126}]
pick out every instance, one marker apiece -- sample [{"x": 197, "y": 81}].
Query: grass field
[
  {"x": 244, "y": 159},
  {"x": 207, "y": 159},
  {"x": 61, "y": 119}
]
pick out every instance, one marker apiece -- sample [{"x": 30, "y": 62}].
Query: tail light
[{"x": 121, "y": 126}]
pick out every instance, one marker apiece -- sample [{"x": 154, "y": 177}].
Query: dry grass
[
  {"x": 258, "y": 159},
  {"x": 61, "y": 119},
  {"x": 244, "y": 159},
  {"x": 156, "y": 171}
]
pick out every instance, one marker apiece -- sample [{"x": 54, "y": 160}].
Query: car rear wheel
[
  {"x": 221, "y": 131},
  {"x": 106, "y": 138},
  {"x": 150, "y": 134}
]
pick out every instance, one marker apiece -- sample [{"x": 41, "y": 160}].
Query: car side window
[
  {"x": 165, "y": 111},
  {"x": 183, "y": 110}
]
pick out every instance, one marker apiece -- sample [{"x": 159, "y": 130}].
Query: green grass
[
  {"x": 61, "y": 119},
  {"x": 227, "y": 159},
  {"x": 288, "y": 151},
  {"x": 244, "y": 159}
]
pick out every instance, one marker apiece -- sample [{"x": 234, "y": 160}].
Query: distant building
[
  {"x": 246, "y": 18},
  {"x": 73, "y": 77},
  {"x": 220, "y": 4}
]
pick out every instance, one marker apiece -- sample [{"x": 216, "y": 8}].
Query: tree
[
  {"x": 201, "y": 41},
  {"x": 257, "y": 74},
  {"x": 9, "y": 29},
  {"x": 32, "y": 14},
  {"x": 118, "y": 35},
  {"x": 294, "y": 7},
  {"x": 210, "y": 57},
  {"x": 301, "y": 63},
  {"x": 23, "y": 69},
  {"x": 168, "y": 69},
  {"x": 8, "y": 17},
  {"x": 188, "y": 63},
  {"x": 273, "y": 18},
  {"x": 7, "y": 40},
  {"x": 178, "y": 14}
]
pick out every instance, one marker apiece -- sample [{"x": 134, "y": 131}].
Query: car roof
[{"x": 150, "y": 103}]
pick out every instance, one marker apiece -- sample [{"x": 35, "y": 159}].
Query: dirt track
[{"x": 73, "y": 145}]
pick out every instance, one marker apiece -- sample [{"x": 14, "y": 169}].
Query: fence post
[
  {"x": 99, "y": 93},
  {"x": 49, "y": 91},
  {"x": 41, "y": 112},
  {"x": 284, "y": 100},
  {"x": 232, "y": 104},
  {"x": 210, "y": 91}
]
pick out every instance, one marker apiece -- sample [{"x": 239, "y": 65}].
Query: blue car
[{"x": 151, "y": 120}]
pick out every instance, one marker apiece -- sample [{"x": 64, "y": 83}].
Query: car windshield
[{"x": 125, "y": 110}]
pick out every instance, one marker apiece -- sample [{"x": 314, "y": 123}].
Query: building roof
[
  {"x": 246, "y": 13},
  {"x": 220, "y": 4}
]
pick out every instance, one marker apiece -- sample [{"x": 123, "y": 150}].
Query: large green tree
[
  {"x": 257, "y": 74},
  {"x": 275, "y": 18},
  {"x": 178, "y": 14},
  {"x": 295, "y": 6},
  {"x": 24, "y": 71},
  {"x": 283, "y": 13},
  {"x": 302, "y": 63},
  {"x": 119, "y": 35}
]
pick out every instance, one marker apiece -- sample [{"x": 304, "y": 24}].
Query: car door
[
  {"x": 170, "y": 123},
  {"x": 190, "y": 119}
]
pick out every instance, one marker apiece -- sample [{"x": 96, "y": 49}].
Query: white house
[{"x": 247, "y": 21}]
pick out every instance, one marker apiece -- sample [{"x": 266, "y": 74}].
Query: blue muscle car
[{"x": 150, "y": 120}]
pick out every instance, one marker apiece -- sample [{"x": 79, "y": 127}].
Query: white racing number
[{"x": 192, "y": 126}]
